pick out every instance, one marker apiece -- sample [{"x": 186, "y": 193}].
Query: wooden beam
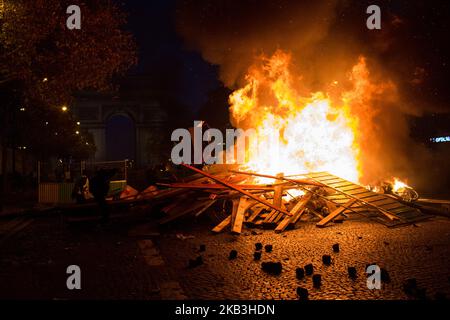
[
  {"x": 298, "y": 208},
  {"x": 278, "y": 191},
  {"x": 234, "y": 187},
  {"x": 244, "y": 203},
  {"x": 298, "y": 181},
  {"x": 215, "y": 186},
  {"x": 360, "y": 194},
  {"x": 222, "y": 225},
  {"x": 234, "y": 209},
  {"x": 335, "y": 213},
  {"x": 255, "y": 213},
  {"x": 268, "y": 219}
]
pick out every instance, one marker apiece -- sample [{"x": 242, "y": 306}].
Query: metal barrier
[
  {"x": 58, "y": 191},
  {"x": 54, "y": 192}
]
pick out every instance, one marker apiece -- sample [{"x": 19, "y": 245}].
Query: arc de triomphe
[{"x": 143, "y": 119}]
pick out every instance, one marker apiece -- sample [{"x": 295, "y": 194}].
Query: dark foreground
[{"x": 131, "y": 259}]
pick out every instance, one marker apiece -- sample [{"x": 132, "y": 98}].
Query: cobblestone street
[
  {"x": 421, "y": 252},
  {"x": 116, "y": 264}
]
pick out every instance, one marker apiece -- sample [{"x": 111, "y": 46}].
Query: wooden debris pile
[{"x": 279, "y": 205}]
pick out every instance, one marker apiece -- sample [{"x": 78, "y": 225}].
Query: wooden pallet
[{"x": 396, "y": 212}]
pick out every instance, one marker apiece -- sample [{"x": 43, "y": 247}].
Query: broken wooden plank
[
  {"x": 269, "y": 217},
  {"x": 222, "y": 225},
  {"x": 244, "y": 203},
  {"x": 278, "y": 192},
  {"x": 335, "y": 213},
  {"x": 255, "y": 214},
  {"x": 278, "y": 218},
  {"x": 299, "y": 206},
  {"x": 234, "y": 187},
  {"x": 234, "y": 209}
]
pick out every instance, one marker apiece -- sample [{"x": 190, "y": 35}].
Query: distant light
[
  {"x": 77, "y": 132},
  {"x": 22, "y": 109},
  {"x": 44, "y": 80},
  {"x": 46, "y": 123},
  {"x": 56, "y": 133},
  {"x": 78, "y": 123},
  {"x": 64, "y": 108},
  {"x": 440, "y": 139},
  {"x": 87, "y": 143}
]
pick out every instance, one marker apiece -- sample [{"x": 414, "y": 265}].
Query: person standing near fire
[
  {"x": 99, "y": 187},
  {"x": 81, "y": 189}
]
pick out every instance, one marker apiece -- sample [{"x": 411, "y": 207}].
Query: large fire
[{"x": 314, "y": 133}]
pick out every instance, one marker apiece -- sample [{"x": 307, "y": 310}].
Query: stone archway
[{"x": 120, "y": 137}]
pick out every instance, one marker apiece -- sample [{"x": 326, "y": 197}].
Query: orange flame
[
  {"x": 399, "y": 185},
  {"x": 314, "y": 134}
]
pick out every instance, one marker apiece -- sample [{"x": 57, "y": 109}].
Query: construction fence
[{"x": 57, "y": 179}]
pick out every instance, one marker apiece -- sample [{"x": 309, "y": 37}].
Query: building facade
[{"x": 127, "y": 125}]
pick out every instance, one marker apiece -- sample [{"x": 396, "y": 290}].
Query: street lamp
[{"x": 64, "y": 108}]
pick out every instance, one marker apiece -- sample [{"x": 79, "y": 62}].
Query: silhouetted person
[
  {"x": 99, "y": 186},
  {"x": 81, "y": 189}
]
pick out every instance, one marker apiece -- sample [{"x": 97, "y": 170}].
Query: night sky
[
  {"x": 193, "y": 43},
  {"x": 162, "y": 52}
]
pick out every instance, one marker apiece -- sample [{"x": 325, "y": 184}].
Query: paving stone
[
  {"x": 309, "y": 269},
  {"x": 336, "y": 247},
  {"x": 232, "y": 255},
  {"x": 352, "y": 272},
  {"x": 326, "y": 259},
  {"x": 257, "y": 255},
  {"x": 300, "y": 273},
  {"x": 302, "y": 293},
  {"x": 273, "y": 268},
  {"x": 317, "y": 280}
]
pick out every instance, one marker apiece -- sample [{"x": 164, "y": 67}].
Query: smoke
[
  {"x": 326, "y": 39},
  {"x": 232, "y": 33}
]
